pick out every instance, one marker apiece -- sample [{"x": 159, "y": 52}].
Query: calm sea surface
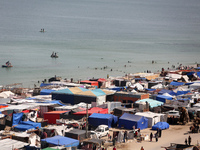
[{"x": 89, "y": 34}]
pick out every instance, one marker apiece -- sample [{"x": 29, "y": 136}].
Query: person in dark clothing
[
  {"x": 156, "y": 136},
  {"x": 189, "y": 140},
  {"x": 125, "y": 136},
  {"x": 160, "y": 132},
  {"x": 151, "y": 136},
  {"x": 186, "y": 141}
]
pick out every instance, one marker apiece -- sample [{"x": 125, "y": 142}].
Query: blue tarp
[
  {"x": 23, "y": 127},
  {"x": 117, "y": 88},
  {"x": 190, "y": 73},
  {"x": 129, "y": 120},
  {"x": 198, "y": 74},
  {"x": 46, "y": 91},
  {"x": 17, "y": 118},
  {"x": 160, "y": 125},
  {"x": 182, "y": 92},
  {"x": 26, "y": 125},
  {"x": 45, "y": 84},
  {"x": 98, "y": 119},
  {"x": 162, "y": 98},
  {"x": 62, "y": 141},
  {"x": 176, "y": 83},
  {"x": 166, "y": 91},
  {"x": 150, "y": 89},
  {"x": 34, "y": 124},
  {"x": 54, "y": 102}
]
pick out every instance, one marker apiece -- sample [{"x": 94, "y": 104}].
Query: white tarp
[
  {"x": 138, "y": 86},
  {"x": 157, "y": 86},
  {"x": 9, "y": 144},
  {"x": 153, "y": 118},
  {"x": 6, "y": 94}
]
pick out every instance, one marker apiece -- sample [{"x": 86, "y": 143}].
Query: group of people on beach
[{"x": 157, "y": 135}]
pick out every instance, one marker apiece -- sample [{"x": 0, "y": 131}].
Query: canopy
[
  {"x": 98, "y": 119},
  {"x": 160, "y": 125},
  {"x": 129, "y": 120},
  {"x": 62, "y": 141}
]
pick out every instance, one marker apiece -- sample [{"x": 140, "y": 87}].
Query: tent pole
[{"x": 87, "y": 121}]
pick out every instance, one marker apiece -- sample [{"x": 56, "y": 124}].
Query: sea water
[{"x": 88, "y": 35}]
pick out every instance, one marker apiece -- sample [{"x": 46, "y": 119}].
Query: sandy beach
[{"x": 175, "y": 134}]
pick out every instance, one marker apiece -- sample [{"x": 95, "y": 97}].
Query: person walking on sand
[
  {"x": 185, "y": 141},
  {"x": 189, "y": 140},
  {"x": 156, "y": 136},
  {"x": 151, "y": 136}
]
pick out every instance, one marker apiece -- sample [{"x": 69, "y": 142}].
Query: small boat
[
  {"x": 42, "y": 30},
  {"x": 7, "y": 66},
  {"x": 54, "y": 55}
]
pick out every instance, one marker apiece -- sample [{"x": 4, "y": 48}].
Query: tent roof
[
  {"x": 130, "y": 117},
  {"x": 93, "y": 110},
  {"x": 152, "y": 103},
  {"x": 61, "y": 140},
  {"x": 101, "y": 116}
]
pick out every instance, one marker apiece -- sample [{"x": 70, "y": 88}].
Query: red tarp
[
  {"x": 93, "y": 110},
  {"x": 52, "y": 116}
]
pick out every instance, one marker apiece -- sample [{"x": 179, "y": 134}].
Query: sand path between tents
[{"x": 175, "y": 134}]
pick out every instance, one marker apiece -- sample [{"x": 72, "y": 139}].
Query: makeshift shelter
[
  {"x": 160, "y": 125},
  {"x": 98, "y": 119},
  {"x": 153, "y": 118},
  {"x": 76, "y": 95},
  {"x": 52, "y": 116},
  {"x": 77, "y": 134},
  {"x": 62, "y": 141},
  {"x": 129, "y": 120}
]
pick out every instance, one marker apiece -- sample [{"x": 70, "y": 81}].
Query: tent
[
  {"x": 98, "y": 119},
  {"x": 160, "y": 125},
  {"x": 129, "y": 120},
  {"x": 62, "y": 141},
  {"x": 153, "y": 118},
  {"x": 52, "y": 116}
]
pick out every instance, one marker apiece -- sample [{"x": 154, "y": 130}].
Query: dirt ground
[{"x": 175, "y": 134}]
